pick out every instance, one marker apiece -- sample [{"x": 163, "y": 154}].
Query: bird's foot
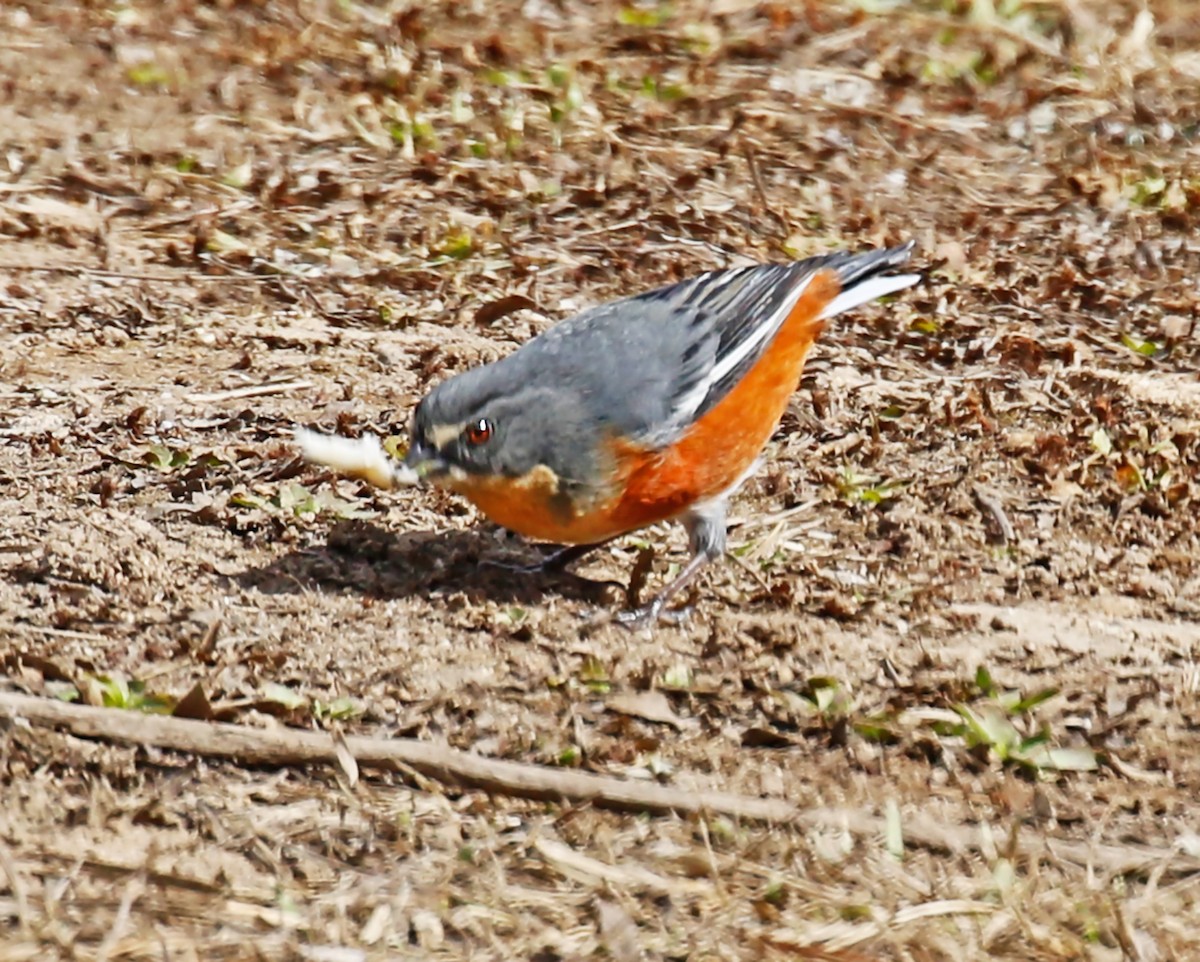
[{"x": 648, "y": 615}]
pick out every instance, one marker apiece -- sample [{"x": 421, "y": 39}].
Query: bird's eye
[{"x": 479, "y": 432}]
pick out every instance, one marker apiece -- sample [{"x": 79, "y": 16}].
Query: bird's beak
[{"x": 426, "y": 462}]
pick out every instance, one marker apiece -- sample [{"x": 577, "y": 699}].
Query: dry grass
[{"x": 221, "y": 219}]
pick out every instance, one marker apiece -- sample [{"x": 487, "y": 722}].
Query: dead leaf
[
  {"x": 1175, "y": 327},
  {"x": 650, "y": 705},
  {"x": 756, "y": 737},
  {"x": 509, "y": 304},
  {"x": 194, "y": 704},
  {"x": 953, "y": 254},
  {"x": 618, "y": 931}
]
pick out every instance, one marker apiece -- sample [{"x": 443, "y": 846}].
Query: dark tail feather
[{"x": 865, "y": 277}]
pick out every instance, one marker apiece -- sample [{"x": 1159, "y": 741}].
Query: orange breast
[
  {"x": 531, "y": 507},
  {"x": 654, "y": 486}
]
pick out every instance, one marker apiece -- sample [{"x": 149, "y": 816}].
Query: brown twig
[
  {"x": 994, "y": 26},
  {"x": 928, "y": 833},
  {"x": 250, "y": 390},
  {"x": 447, "y": 765},
  {"x": 991, "y": 504},
  {"x": 16, "y": 885},
  {"x": 756, "y": 179},
  {"x": 134, "y": 889},
  {"x": 134, "y": 276}
]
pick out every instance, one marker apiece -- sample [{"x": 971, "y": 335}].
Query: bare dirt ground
[{"x": 977, "y": 525}]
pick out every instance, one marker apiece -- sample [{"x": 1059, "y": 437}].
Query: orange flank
[
  {"x": 657, "y": 485},
  {"x": 720, "y": 447}
]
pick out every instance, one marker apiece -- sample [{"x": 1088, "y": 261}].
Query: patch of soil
[{"x": 962, "y": 608}]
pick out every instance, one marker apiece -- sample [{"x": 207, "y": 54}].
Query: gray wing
[
  {"x": 725, "y": 320},
  {"x": 653, "y": 363}
]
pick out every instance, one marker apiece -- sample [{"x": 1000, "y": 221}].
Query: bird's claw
[{"x": 635, "y": 619}]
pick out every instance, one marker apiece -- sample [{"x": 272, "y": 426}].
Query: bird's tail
[{"x": 864, "y": 277}]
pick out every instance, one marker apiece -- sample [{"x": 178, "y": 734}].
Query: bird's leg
[
  {"x": 706, "y": 536},
  {"x": 649, "y": 613},
  {"x": 554, "y": 563},
  {"x": 558, "y": 560}
]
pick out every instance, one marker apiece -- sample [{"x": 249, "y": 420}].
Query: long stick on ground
[
  {"x": 287, "y": 746},
  {"x": 450, "y": 766}
]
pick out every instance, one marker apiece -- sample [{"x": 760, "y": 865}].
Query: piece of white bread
[{"x": 356, "y": 457}]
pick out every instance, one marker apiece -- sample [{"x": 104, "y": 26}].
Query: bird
[{"x": 649, "y": 408}]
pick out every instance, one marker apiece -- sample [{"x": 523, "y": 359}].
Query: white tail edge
[{"x": 868, "y": 290}]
